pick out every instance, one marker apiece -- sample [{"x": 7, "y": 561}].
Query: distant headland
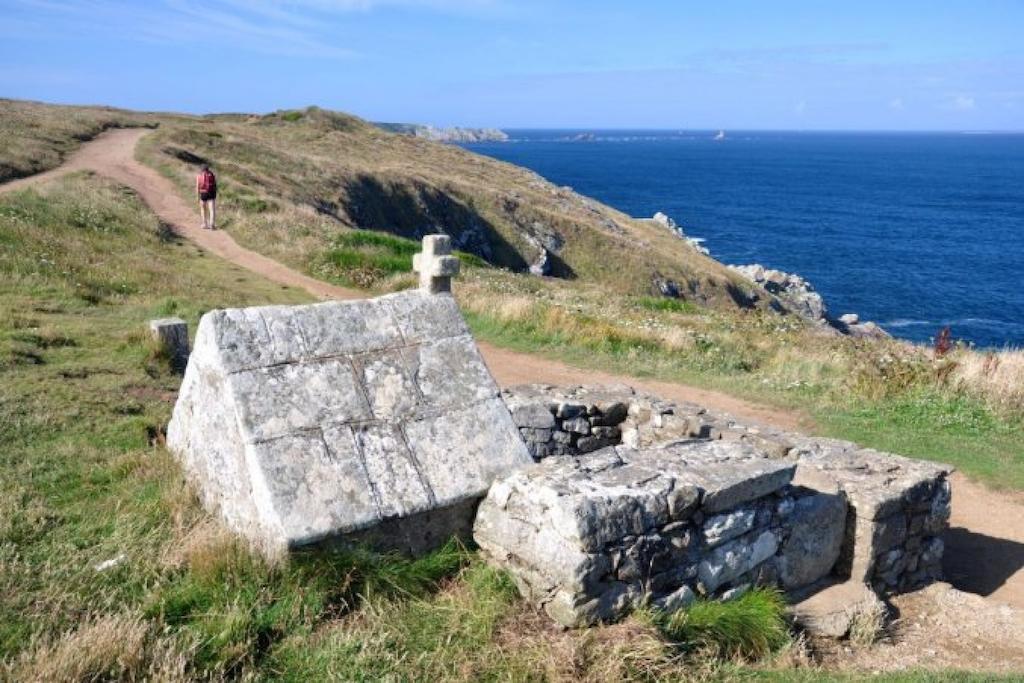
[{"x": 449, "y": 134}]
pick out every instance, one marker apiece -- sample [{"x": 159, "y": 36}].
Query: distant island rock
[{"x": 449, "y": 134}]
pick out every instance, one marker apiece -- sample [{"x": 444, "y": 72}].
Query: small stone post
[
  {"x": 435, "y": 264},
  {"x": 172, "y": 335}
]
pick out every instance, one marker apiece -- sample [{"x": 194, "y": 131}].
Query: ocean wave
[
  {"x": 902, "y": 322},
  {"x": 955, "y": 322}
]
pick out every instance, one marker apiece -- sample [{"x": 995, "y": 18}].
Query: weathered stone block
[
  {"x": 721, "y": 528},
  {"x": 816, "y": 527},
  {"x": 533, "y": 415},
  {"x": 832, "y": 610},
  {"x": 577, "y": 425},
  {"x": 172, "y": 335},
  {"x": 312, "y": 423},
  {"x": 731, "y": 561}
]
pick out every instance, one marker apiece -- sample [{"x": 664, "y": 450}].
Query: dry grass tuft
[
  {"x": 996, "y": 376},
  {"x": 101, "y": 648},
  {"x": 868, "y": 626}
]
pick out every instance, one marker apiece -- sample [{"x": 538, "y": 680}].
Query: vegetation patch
[
  {"x": 661, "y": 303},
  {"x": 750, "y": 627},
  {"x": 365, "y": 258}
]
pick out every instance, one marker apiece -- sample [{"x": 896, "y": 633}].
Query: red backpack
[{"x": 207, "y": 182}]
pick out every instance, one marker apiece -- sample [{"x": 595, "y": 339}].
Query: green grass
[
  {"x": 750, "y": 627},
  {"x": 927, "y": 424},
  {"x": 663, "y": 304},
  {"x": 364, "y": 258},
  {"x": 590, "y": 342}
]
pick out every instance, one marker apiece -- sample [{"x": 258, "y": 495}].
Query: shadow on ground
[{"x": 980, "y": 564}]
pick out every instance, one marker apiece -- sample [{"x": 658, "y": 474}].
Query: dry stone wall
[
  {"x": 590, "y": 537},
  {"x": 850, "y": 512}
]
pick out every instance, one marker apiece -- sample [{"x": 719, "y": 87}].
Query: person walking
[{"x": 206, "y": 188}]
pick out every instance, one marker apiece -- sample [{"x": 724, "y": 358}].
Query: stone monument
[{"x": 361, "y": 421}]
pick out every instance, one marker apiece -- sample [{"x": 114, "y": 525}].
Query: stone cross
[{"x": 435, "y": 264}]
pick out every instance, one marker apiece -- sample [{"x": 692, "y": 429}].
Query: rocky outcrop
[
  {"x": 666, "y": 222},
  {"x": 850, "y": 323},
  {"x": 796, "y": 293},
  {"x": 798, "y": 296}
]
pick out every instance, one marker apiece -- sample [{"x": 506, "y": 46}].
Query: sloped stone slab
[{"x": 306, "y": 424}]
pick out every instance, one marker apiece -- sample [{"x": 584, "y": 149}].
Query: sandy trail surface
[{"x": 984, "y": 546}]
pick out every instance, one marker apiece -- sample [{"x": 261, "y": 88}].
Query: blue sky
[{"x": 906, "y": 65}]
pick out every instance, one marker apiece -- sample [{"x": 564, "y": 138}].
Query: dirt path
[
  {"x": 985, "y": 546},
  {"x": 112, "y": 154}
]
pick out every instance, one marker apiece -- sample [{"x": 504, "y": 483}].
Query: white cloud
[
  {"x": 800, "y": 107},
  {"x": 897, "y": 104},
  {"x": 964, "y": 103}
]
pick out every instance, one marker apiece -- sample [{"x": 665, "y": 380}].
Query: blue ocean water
[{"x": 915, "y": 231}]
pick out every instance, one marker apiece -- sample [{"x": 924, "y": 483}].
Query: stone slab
[
  {"x": 307, "y": 424},
  {"x": 830, "y": 610}
]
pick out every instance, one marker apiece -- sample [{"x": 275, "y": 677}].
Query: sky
[{"x": 779, "y": 64}]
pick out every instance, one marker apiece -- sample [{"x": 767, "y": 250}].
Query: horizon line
[{"x": 961, "y": 131}]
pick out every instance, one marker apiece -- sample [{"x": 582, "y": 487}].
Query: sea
[{"x": 915, "y": 231}]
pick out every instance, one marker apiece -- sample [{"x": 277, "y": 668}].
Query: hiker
[{"x": 206, "y": 188}]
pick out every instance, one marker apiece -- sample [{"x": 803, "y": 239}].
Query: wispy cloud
[
  {"x": 963, "y": 103},
  {"x": 295, "y": 27}
]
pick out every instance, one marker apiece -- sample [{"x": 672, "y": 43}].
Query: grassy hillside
[
  {"x": 294, "y": 180},
  {"x": 37, "y": 137}
]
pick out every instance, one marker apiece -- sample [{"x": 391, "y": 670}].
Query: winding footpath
[{"x": 985, "y": 545}]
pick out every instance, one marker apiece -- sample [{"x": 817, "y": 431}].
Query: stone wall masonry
[
  {"x": 570, "y": 421},
  {"x": 897, "y": 510},
  {"x": 590, "y": 537}
]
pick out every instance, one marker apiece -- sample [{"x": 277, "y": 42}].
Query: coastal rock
[
  {"x": 666, "y": 222},
  {"x": 796, "y": 293},
  {"x": 867, "y": 330},
  {"x": 541, "y": 266}
]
